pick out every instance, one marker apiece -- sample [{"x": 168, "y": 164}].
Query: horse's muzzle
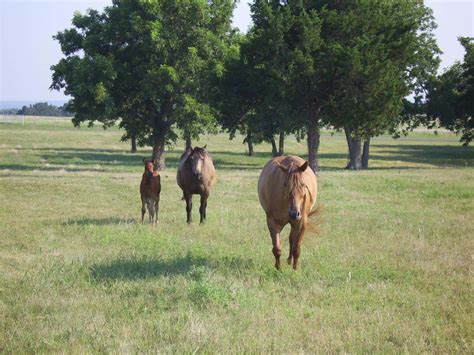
[{"x": 294, "y": 215}]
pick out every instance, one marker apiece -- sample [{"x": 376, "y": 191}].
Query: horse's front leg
[
  {"x": 296, "y": 235},
  {"x": 202, "y": 208},
  {"x": 151, "y": 211},
  {"x": 189, "y": 207},
  {"x": 157, "y": 208},
  {"x": 143, "y": 210},
  {"x": 275, "y": 230}
]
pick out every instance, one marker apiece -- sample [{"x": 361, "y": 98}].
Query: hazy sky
[{"x": 27, "y": 49}]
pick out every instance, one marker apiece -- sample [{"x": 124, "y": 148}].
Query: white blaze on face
[{"x": 197, "y": 163}]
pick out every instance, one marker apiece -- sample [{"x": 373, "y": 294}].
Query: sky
[{"x": 27, "y": 49}]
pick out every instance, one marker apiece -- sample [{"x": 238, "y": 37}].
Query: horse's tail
[{"x": 314, "y": 220}]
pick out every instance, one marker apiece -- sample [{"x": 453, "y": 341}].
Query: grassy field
[{"x": 390, "y": 272}]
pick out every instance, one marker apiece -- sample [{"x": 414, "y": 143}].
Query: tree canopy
[
  {"x": 44, "y": 109},
  {"x": 345, "y": 64},
  {"x": 450, "y": 98},
  {"x": 149, "y": 64}
]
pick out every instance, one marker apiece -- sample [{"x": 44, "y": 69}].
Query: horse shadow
[
  {"x": 150, "y": 268},
  {"x": 142, "y": 269},
  {"x": 107, "y": 221}
]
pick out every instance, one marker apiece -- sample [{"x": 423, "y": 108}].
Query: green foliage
[
  {"x": 343, "y": 64},
  {"x": 44, "y": 109},
  {"x": 148, "y": 63},
  {"x": 450, "y": 98},
  {"x": 377, "y": 52}
]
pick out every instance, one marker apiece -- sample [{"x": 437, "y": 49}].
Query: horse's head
[
  {"x": 197, "y": 161},
  {"x": 297, "y": 189},
  {"x": 149, "y": 166}
]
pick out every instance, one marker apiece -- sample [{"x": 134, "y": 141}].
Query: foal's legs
[
  {"x": 202, "y": 208},
  {"x": 157, "y": 208},
  {"x": 151, "y": 211},
  {"x": 275, "y": 230},
  {"x": 189, "y": 207}
]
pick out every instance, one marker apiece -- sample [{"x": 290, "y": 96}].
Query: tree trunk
[
  {"x": 134, "y": 145},
  {"x": 365, "y": 154},
  {"x": 188, "y": 143},
  {"x": 355, "y": 151},
  {"x": 274, "y": 147},
  {"x": 159, "y": 152},
  {"x": 313, "y": 144},
  {"x": 281, "y": 144},
  {"x": 248, "y": 139}
]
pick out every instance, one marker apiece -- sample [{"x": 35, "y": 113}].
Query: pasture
[{"x": 390, "y": 272}]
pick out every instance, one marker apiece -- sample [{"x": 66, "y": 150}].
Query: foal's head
[
  {"x": 297, "y": 189},
  {"x": 197, "y": 161},
  {"x": 149, "y": 166}
]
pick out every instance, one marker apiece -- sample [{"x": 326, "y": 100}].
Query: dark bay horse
[
  {"x": 287, "y": 190},
  {"x": 196, "y": 176},
  {"x": 150, "y": 188}
]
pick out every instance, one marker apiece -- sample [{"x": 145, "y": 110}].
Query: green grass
[{"x": 390, "y": 272}]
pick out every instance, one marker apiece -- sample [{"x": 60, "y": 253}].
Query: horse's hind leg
[
  {"x": 202, "y": 208},
  {"x": 189, "y": 207},
  {"x": 275, "y": 230}
]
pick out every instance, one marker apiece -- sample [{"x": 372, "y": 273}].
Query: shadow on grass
[
  {"x": 101, "y": 221},
  {"x": 437, "y": 155},
  {"x": 100, "y": 160},
  {"x": 131, "y": 269}
]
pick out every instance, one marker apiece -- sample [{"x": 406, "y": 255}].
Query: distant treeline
[{"x": 39, "y": 109}]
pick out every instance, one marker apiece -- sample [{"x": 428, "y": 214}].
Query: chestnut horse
[
  {"x": 287, "y": 191},
  {"x": 196, "y": 176},
  {"x": 150, "y": 188}
]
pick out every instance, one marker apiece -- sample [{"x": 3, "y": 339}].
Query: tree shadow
[{"x": 437, "y": 155}]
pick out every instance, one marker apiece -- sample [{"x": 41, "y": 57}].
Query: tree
[
  {"x": 450, "y": 97},
  {"x": 44, "y": 109},
  {"x": 343, "y": 63},
  {"x": 382, "y": 51},
  {"x": 149, "y": 64},
  {"x": 284, "y": 40}
]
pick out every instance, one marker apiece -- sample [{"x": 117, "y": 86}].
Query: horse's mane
[
  {"x": 191, "y": 151},
  {"x": 295, "y": 180},
  {"x": 201, "y": 151}
]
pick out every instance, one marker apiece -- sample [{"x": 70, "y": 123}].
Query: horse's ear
[
  {"x": 303, "y": 167},
  {"x": 144, "y": 160},
  {"x": 205, "y": 145},
  {"x": 282, "y": 167}
]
